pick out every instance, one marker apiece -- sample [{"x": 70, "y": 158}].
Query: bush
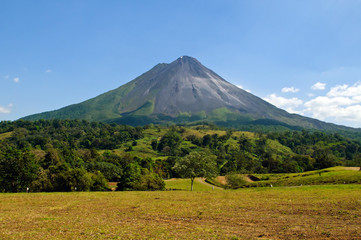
[
  {"x": 235, "y": 181},
  {"x": 141, "y": 179},
  {"x": 149, "y": 181}
]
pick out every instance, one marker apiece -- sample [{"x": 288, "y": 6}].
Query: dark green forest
[{"x": 77, "y": 155}]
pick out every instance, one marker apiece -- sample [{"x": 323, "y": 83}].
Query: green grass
[
  {"x": 335, "y": 175},
  {"x": 220, "y": 114},
  {"x": 185, "y": 184},
  {"x": 5, "y": 135},
  {"x": 145, "y": 110},
  {"x": 311, "y": 212}
]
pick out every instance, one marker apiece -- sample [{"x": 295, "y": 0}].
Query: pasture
[{"x": 307, "y": 212}]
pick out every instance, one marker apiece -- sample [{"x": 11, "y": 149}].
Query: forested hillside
[{"x": 70, "y": 155}]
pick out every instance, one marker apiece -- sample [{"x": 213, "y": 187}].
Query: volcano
[{"x": 183, "y": 91}]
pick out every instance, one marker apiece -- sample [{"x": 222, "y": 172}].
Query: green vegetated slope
[
  {"x": 334, "y": 175},
  {"x": 69, "y": 155},
  {"x": 5, "y": 135}
]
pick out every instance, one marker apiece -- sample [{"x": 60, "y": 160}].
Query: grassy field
[
  {"x": 334, "y": 175},
  {"x": 308, "y": 212},
  {"x": 327, "y": 176},
  {"x": 185, "y": 184}
]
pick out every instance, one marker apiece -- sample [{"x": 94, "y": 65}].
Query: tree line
[{"x": 77, "y": 155}]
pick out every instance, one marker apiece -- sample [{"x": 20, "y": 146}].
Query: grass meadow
[
  {"x": 307, "y": 212},
  {"x": 333, "y": 175}
]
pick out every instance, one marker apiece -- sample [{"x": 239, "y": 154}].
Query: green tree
[
  {"x": 131, "y": 174},
  {"x": 17, "y": 169},
  {"x": 170, "y": 142},
  {"x": 149, "y": 181},
  {"x": 109, "y": 170},
  {"x": 77, "y": 179},
  {"x": 196, "y": 164}
]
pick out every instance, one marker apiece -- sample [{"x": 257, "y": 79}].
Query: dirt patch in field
[
  {"x": 247, "y": 178},
  {"x": 171, "y": 179},
  {"x": 221, "y": 180},
  {"x": 352, "y": 168}
]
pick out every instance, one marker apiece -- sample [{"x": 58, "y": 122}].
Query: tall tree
[
  {"x": 17, "y": 169},
  {"x": 196, "y": 164}
]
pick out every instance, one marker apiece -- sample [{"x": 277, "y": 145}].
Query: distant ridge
[{"x": 183, "y": 91}]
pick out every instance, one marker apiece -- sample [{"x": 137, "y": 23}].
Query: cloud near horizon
[
  {"x": 342, "y": 103},
  {"x": 6, "y": 110},
  {"x": 290, "y": 89},
  {"x": 288, "y": 104}
]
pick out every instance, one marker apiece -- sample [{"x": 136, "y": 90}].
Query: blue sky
[{"x": 302, "y": 56}]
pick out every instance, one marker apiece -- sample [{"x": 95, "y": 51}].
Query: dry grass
[
  {"x": 317, "y": 212},
  {"x": 5, "y": 135}
]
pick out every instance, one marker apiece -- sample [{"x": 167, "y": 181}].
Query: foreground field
[{"x": 315, "y": 212}]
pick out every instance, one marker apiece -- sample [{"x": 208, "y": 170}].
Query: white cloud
[
  {"x": 289, "y": 104},
  {"x": 7, "y": 76},
  {"x": 341, "y": 109},
  {"x": 48, "y": 71},
  {"x": 345, "y": 90},
  {"x": 342, "y": 103},
  {"x": 290, "y": 89},
  {"x": 319, "y": 86},
  {"x": 16, "y": 79},
  {"x": 6, "y": 109}
]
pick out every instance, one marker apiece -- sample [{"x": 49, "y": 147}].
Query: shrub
[
  {"x": 235, "y": 181},
  {"x": 149, "y": 181}
]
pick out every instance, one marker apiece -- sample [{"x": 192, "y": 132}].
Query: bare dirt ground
[
  {"x": 221, "y": 179},
  {"x": 172, "y": 179},
  {"x": 352, "y": 168}
]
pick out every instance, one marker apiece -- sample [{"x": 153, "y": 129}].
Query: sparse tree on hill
[{"x": 196, "y": 164}]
